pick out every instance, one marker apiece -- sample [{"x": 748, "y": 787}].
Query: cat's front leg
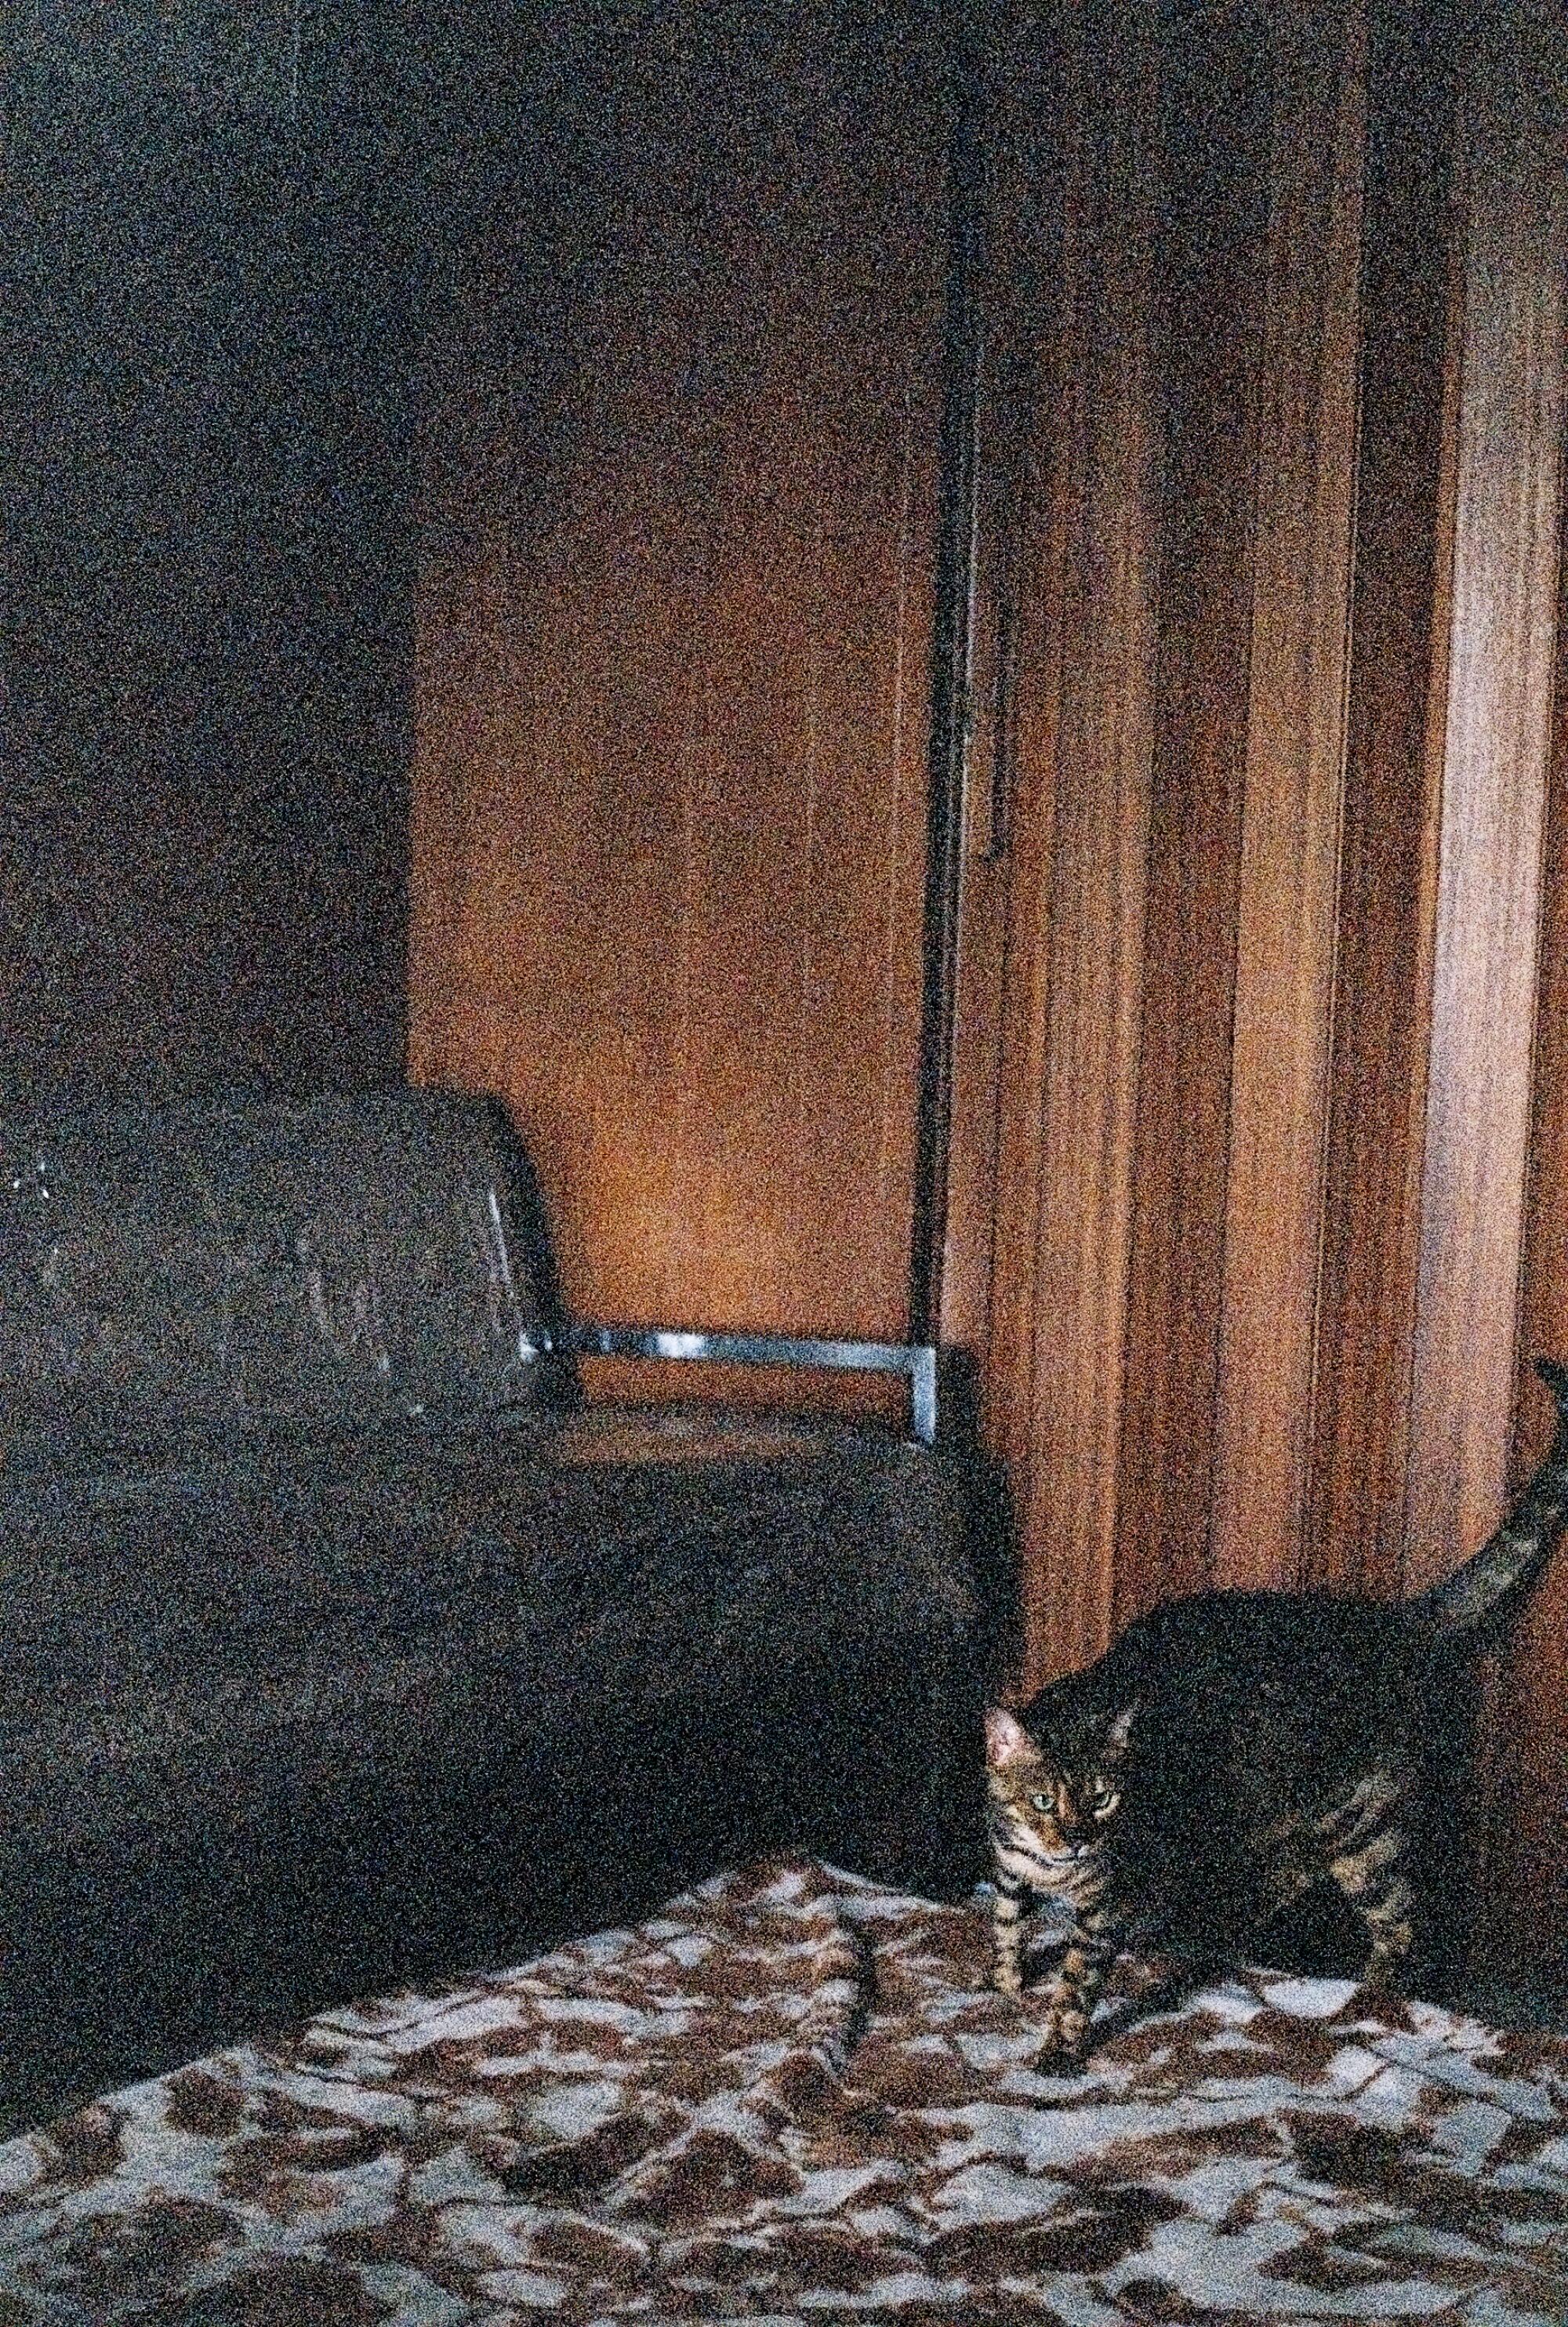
[
  {"x": 1074, "y": 1991},
  {"x": 1007, "y": 1910},
  {"x": 1373, "y": 1880}
]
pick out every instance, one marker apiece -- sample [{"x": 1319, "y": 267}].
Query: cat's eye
[
  {"x": 1040, "y": 1801},
  {"x": 1104, "y": 1801}
]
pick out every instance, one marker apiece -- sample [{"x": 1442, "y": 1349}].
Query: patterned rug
[{"x": 788, "y": 2097}]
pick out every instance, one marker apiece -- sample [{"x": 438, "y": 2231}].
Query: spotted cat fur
[{"x": 1235, "y": 1752}]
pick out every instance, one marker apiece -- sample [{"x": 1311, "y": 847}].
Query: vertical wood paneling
[
  {"x": 670, "y": 863},
  {"x": 1388, "y": 870},
  {"x": 1099, "y": 844},
  {"x": 1494, "y": 795},
  {"x": 1290, "y": 826},
  {"x": 1211, "y": 250},
  {"x": 1013, "y": 700},
  {"x": 1527, "y": 1860},
  {"x": 1018, "y": 1005}
]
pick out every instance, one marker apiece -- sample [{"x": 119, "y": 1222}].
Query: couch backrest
[{"x": 332, "y": 1262}]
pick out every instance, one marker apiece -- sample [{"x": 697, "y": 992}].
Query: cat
[{"x": 1234, "y": 1752}]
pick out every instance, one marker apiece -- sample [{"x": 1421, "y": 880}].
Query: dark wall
[{"x": 204, "y": 593}]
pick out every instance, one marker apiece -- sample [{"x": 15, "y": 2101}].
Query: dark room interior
[{"x": 933, "y": 641}]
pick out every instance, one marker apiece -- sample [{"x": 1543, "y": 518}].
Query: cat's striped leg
[
  {"x": 1007, "y": 1912},
  {"x": 1372, "y": 1878},
  {"x": 1075, "y": 1989}
]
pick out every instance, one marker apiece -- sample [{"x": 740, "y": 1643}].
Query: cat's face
[{"x": 1051, "y": 1808}]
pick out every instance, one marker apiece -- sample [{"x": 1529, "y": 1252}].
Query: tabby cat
[{"x": 1236, "y": 1752}]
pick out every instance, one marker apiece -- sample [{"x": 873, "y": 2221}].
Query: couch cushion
[
  {"x": 296, "y": 1721},
  {"x": 332, "y": 1261}
]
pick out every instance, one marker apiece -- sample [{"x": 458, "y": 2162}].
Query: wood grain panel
[
  {"x": 1099, "y": 844},
  {"x": 1211, "y": 250},
  {"x": 1387, "y": 869},
  {"x": 1505, "y": 560},
  {"x": 1034, "y": 278},
  {"x": 681, "y": 934},
  {"x": 1012, "y": 697},
  {"x": 1019, "y": 880},
  {"x": 1294, "y": 765},
  {"x": 1527, "y": 1857}
]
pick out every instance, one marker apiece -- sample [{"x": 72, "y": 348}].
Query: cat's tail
[{"x": 1490, "y": 1585}]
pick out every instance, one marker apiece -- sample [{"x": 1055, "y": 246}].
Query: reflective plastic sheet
[{"x": 326, "y": 1261}]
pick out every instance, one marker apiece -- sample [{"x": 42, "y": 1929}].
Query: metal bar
[
  {"x": 583, "y": 1339},
  {"x": 923, "y": 1393},
  {"x": 951, "y": 685}
]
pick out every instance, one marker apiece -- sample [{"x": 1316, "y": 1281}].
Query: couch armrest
[{"x": 929, "y": 1369}]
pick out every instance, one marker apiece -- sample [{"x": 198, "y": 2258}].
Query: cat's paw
[
  {"x": 1065, "y": 2035},
  {"x": 1384, "y": 1984},
  {"x": 1057, "y": 2057}
]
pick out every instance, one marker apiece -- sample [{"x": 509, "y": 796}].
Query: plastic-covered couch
[{"x": 343, "y": 1643}]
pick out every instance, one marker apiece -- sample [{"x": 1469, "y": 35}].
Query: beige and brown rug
[{"x": 788, "y": 2097}]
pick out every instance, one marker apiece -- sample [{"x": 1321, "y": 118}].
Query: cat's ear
[
  {"x": 1121, "y": 1728},
  {"x": 1006, "y": 1738}
]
